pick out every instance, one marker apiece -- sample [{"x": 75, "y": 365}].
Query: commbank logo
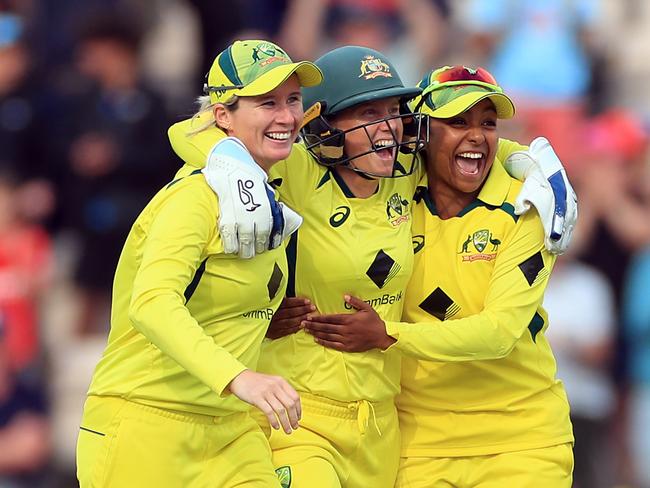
[{"x": 383, "y": 269}]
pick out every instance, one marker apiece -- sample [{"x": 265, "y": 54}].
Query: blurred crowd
[{"x": 88, "y": 89}]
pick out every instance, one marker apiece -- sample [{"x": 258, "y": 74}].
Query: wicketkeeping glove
[
  {"x": 251, "y": 219},
  {"x": 547, "y": 188}
]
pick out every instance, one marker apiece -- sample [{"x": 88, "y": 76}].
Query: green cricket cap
[{"x": 355, "y": 75}]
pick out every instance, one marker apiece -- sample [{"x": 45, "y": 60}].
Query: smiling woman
[
  {"x": 253, "y": 94},
  {"x": 266, "y": 124},
  {"x": 169, "y": 403},
  {"x": 480, "y": 404},
  {"x": 463, "y": 105},
  {"x": 464, "y": 147},
  {"x": 373, "y": 143}
]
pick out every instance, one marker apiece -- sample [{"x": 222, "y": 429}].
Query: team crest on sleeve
[
  {"x": 397, "y": 209},
  {"x": 480, "y": 246},
  {"x": 372, "y": 67}
]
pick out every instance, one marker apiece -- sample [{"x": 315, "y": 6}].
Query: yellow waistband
[{"x": 361, "y": 410}]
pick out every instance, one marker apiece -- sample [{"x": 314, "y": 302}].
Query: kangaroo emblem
[{"x": 466, "y": 244}]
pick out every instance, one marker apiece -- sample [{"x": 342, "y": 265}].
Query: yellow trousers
[
  {"x": 349, "y": 445},
  {"x": 534, "y": 468},
  {"x": 123, "y": 444}
]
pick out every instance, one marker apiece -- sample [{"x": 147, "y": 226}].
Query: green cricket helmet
[{"x": 354, "y": 75}]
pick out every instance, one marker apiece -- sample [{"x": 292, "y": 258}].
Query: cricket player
[{"x": 170, "y": 398}]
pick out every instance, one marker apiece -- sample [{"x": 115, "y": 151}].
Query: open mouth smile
[
  {"x": 470, "y": 163},
  {"x": 278, "y": 136},
  {"x": 384, "y": 148}
]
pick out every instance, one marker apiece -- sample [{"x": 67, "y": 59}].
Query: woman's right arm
[
  {"x": 174, "y": 250},
  {"x": 513, "y": 296}
]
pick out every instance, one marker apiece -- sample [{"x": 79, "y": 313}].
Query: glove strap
[
  {"x": 277, "y": 216},
  {"x": 559, "y": 193}
]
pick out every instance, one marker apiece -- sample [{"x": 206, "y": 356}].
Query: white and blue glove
[
  {"x": 547, "y": 188},
  {"x": 251, "y": 219}
]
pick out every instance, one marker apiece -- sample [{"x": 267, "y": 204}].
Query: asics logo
[
  {"x": 418, "y": 243},
  {"x": 338, "y": 218}
]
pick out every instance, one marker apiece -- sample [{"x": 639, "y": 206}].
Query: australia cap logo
[
  {"x": 372, "y": 67},
  {"x": 266, "y": 53}
]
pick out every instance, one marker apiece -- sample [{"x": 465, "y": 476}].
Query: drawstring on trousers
[{"x": 365, "y": 410}]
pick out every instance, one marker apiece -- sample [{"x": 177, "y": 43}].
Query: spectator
[
  {"x": 614, "y": 195},
  {"x": 580, "y": 303},
  {"x": 542, "y": 53},
  {"x": 636, "y": 315},
  {"x": 218, "y": 29},
  {"x": 614, "y": 226},
  {"x": 626, "y": 35},
  {"x": 24, "y": 428},
  {"x": 114, "y": 154},
  {"x": 399, "y": 28},
  {"x": 21, "y": 118},
  {"x": 25, "y": 263}
]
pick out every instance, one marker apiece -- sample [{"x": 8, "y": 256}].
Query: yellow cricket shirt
[
  {"x": 360, "y": 246},
  {"x": 186, "y": 318},
  {"x": 478, "y": 375},
  {"x": 345, "y": 245}
]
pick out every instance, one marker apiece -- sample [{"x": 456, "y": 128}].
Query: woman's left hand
[
  {"x": 350, "y": 332},
  {"x": 289, "y": 317}
]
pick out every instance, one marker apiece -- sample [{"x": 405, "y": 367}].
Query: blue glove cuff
[
  {"x": 559, "y": 194},
  {"x": 277, "y": 216}
]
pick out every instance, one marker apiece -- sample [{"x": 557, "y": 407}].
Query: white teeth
[
  {"x": 280, "y": 136},
  {"x": 383, "y": 143},
  {"x": 471, "y": 155}
]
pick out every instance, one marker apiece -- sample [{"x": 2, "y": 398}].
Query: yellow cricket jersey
[
  {"x": 186, "y": 318},
  {"x": 478, "y": 375},
  {"x": 345, "y": 245},
  {"x": 360, "y": 246}
]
